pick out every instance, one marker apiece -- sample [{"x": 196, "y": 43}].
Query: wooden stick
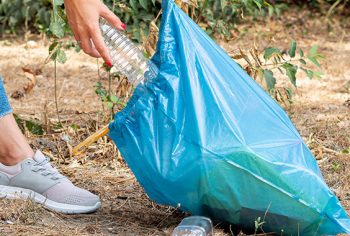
[{"x": 91, "y": 139}]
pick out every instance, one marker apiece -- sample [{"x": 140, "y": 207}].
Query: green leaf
[
  {"x": 114, "y": 99},
  {"x": 58, "y": 2},
  {"x": 61, "y": 56},
  {"x": 270, "y": 79},
  {"x": 104, "y": 95},
  {"x": 270, "y": 52},
  {"x": 313, "y": 51},
  {"x": 346, "y": 151},
  {"x": 74, "y": 126},
  {"x": 110, "y": 105},
  {"x": 289, "y": 93},
  {"x": 293, "y": 47},
  {"x": 57, "y": 24},
  {"x": 98, "y": 84},
  {"x": 301, "y": 52},
  {"x": 144, "y": 4},
  {"x": 34, "y": 128},
  {"x": 134, "y": 4},
  {"x": 223, "y": 4},
  {"x": 318, "y": 74},
  {"x": 77, "y": 48},
  {"x": 209, "y": 31},
  {"x": 52, "y": 46},
  {"x": 314, "y": 60},
  {"x": 291, "y": 74},
  {"x": 57, "y": 29},
  {"x": 319, "y": 56},
  {"x": 291, "y": 71},
  {"x": 309, "y": 73},
  {"x": 302, "y": 61},
  {"x": 259, "y": 3}
]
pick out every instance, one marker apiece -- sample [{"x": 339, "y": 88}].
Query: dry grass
[{"x": 320, "y": 112}]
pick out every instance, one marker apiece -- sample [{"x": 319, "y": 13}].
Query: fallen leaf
[
  {"x": 152, "y": 39},
  {"x": 32, "y": 82},
  {"x": 347, "y": 103},
  {"x": 35, "y": 71},
  {"x": 17, "y": 95}
]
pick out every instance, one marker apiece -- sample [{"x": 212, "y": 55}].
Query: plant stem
[
  {"x": 54, "y": 50},
  {"x": 332, "y": 8},
  {"x": 98, "y": 70},
  {"x": 56, "y": 100},
  {"x": 201, "y": 11},
  {"x": 99, "y": 98},
  {"x": 109, "y": 84},
  {"x": 110, "y": 90},
  {"x": 113, "y": 7},
  {"x": 281, "y": 63}
]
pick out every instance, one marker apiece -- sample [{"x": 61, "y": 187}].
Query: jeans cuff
[{"x": 5, "y": 113}]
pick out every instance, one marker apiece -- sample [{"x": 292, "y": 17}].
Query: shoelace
[{"x": 47, "y": 170}]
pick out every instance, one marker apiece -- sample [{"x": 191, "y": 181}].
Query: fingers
[
  {"x": 87, "y": 46},
  {"x": 83, "y": 39},
  {"x": 112, "y": 18},
  {"x": 72, "y": 25},
  {"x": 85, "y": 26},
  {"x": 100, "y": 46}
]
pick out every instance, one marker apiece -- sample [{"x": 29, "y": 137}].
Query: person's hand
[{"x": 83, "y": 17}]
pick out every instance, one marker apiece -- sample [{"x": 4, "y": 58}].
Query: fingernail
[
  {"x": 109, "y": 64},
  {"x": 123, "y": 26}
]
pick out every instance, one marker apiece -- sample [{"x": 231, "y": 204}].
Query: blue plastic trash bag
[{"x": 206, "y": 136}]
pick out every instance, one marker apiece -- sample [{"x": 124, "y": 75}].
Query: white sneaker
[{"x": 36, "y": 179}]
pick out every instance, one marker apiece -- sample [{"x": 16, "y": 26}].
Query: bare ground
[{"x": 320, "y": 111}]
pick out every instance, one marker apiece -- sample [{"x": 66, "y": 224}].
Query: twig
[
  {"x": 167, "y": 216},
  {"x": 232, "y": 234},
  {"x": 330, "y": 150},
  {"x": 332, "y": 8},
  {"x": 91, "y": 139},
  {"x": 159, "y": 13}
]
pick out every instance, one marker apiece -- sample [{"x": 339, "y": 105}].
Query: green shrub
[
  {"x": 17, "y": 15},
  {"x": 20, "y": 14},
  {"x": 34, "y": 15}
]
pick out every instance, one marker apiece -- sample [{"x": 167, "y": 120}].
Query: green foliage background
[
  {"x": 15, "y": 15},
  {"x": 221, "y": 15},
  {"x": 217, "y": 17}
]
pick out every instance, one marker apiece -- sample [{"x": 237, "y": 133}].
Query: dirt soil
[{"x": 320, "y": 111}]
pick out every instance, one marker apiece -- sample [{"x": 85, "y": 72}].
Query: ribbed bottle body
[{"x": 127, "y": 58}]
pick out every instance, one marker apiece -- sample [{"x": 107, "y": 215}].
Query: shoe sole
[{"x": 9, "y": 192}]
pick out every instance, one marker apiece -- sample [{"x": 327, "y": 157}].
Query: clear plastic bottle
[
  {"x": 194, "y": 226},
  {"x": 127, "y": 58}
]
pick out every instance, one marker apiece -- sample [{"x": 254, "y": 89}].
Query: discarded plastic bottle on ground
[
  {"x": 194, "y": 226},
  {"x": 127, "y": 58}
]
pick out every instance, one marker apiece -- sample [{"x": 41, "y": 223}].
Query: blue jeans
[{"x": 5, "y": 107}]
